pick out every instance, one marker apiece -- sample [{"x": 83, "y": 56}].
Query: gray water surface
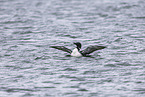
[{"x": 29, "y": 68}]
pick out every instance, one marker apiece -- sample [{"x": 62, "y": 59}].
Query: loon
[{"x": 77, "y": 52}]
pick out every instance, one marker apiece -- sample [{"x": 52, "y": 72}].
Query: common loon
[{"x": 77, "y": 52}]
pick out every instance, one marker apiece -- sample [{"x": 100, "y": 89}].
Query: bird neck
[{"x": 78, "y": 48}]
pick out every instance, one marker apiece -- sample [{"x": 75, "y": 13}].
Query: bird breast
[{"x": 76, "y": 53}]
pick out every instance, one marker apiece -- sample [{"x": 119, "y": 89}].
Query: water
[{"x": 29, "y": 68}]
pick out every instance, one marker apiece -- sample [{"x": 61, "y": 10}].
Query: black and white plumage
[{"x": 77, "y": 52}]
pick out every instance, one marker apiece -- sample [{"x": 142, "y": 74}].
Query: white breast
[{"x": 76, "y": 53}]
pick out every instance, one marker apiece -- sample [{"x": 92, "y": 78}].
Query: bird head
[{"x": 78, "y": 44}]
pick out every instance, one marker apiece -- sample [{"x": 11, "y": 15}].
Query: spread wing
[
  {"x": 62, "y": 48},
  {"x": 91, "y": 49}
]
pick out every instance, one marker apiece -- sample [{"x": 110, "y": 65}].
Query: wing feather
[
  {"x": 91, "y": 49},
  {"x": 61, "y": 48}
]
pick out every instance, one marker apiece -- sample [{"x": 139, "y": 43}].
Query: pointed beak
[{"x": 75, "y": 43}]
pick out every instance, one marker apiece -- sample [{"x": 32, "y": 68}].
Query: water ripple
[{"x": 28, "y": 67}]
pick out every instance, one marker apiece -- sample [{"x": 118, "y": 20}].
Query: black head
[{"x": 78, "y": 44}]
